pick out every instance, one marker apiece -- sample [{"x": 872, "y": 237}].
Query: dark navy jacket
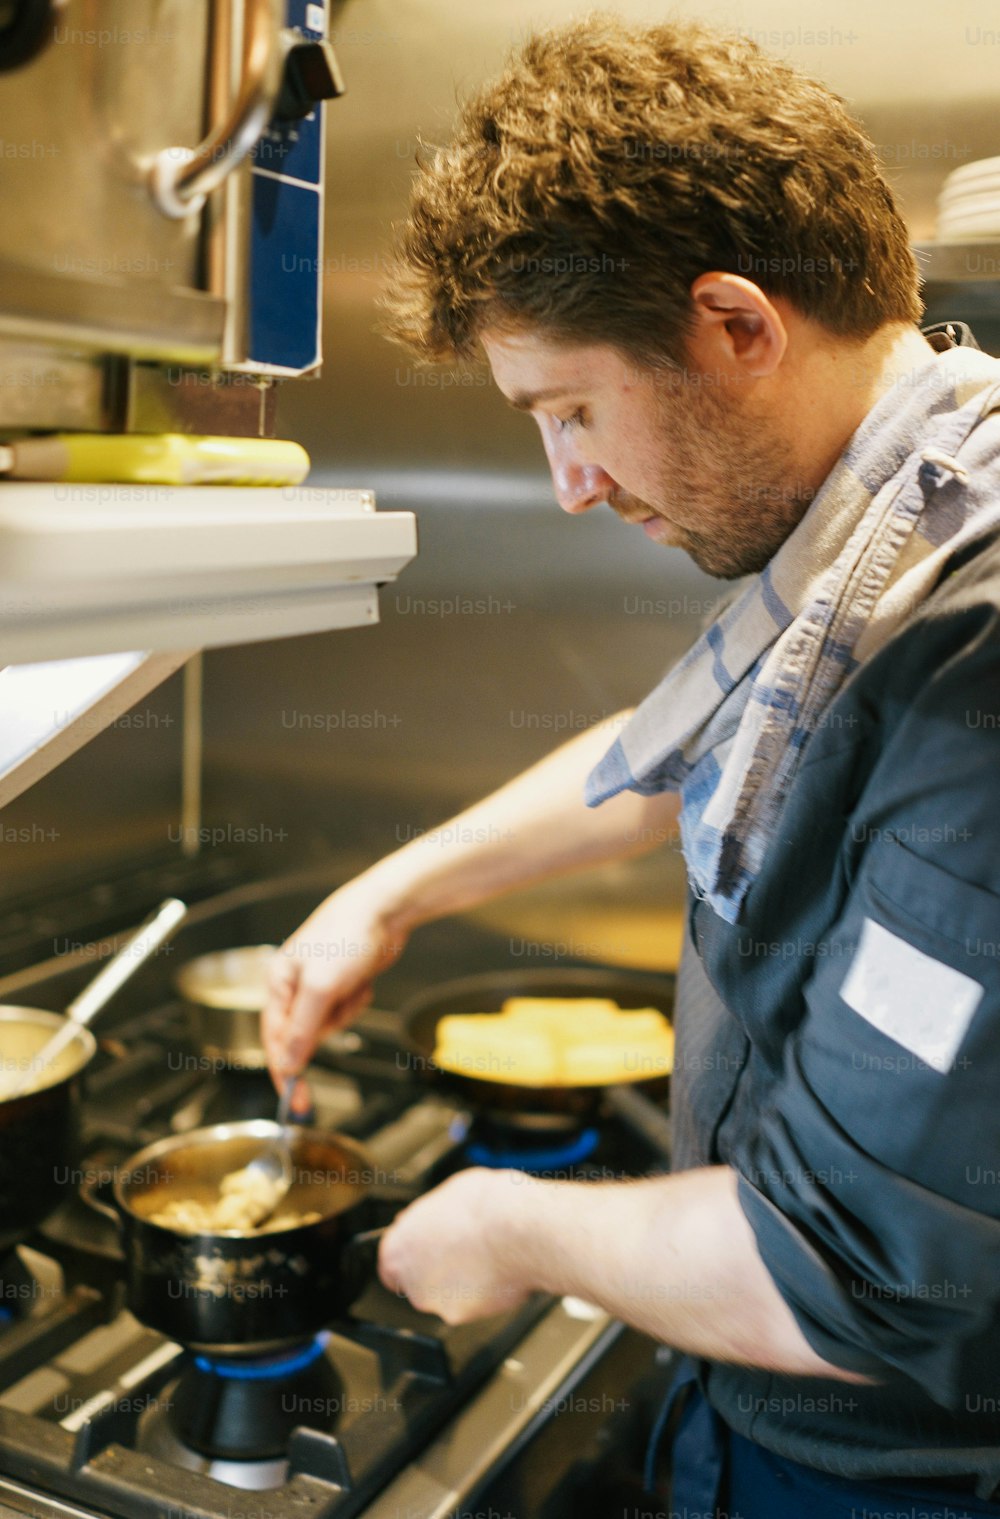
[{"x": 870, "y": 1177}]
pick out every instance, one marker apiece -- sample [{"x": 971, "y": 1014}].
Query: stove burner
[
  {"x": 264, "y": 1368},
  {"x": 245, "y": 1409},
  {"x": 511, "y": 1153}
]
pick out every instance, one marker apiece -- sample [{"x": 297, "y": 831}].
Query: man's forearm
[
  {"x": 535, "y": 826},
  {"x": 674, "y": 1256}
]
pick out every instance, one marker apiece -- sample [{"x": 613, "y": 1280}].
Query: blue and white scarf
[{"x": 727, "y": 725}]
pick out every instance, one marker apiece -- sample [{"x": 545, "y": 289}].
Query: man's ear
[{"x": 736, "y": 326}]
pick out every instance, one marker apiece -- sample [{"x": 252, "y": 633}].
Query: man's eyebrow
[{"x": 526, "y": 400}]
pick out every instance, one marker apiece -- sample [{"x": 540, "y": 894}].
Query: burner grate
[{"x": 384, "y": 1393}]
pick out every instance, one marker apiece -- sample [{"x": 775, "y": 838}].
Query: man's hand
[
  {"x": 535, "y": 827},
  {"x": 446, "y": 1252},
  {"x": 321, "y": 977},
  {"x": 673, "y": 1256}
]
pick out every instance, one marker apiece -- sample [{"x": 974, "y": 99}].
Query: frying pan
[{"x": 552, "y": 1108}]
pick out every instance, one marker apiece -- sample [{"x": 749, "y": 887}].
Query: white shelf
[
  {"x": 48, "y": 711},
  {"x": 98, "y": 569}
]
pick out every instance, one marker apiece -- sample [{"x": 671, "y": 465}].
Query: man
[{"x": 682, "y": 259}]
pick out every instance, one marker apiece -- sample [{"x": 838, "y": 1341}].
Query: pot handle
[
  {"x": 360, "y": 1253},
  {"x": 88, "y": 1192}
]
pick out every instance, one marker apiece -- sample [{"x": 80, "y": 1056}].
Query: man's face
[{"x": 697, "y": 461}]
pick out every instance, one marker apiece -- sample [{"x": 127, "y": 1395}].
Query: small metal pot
[
  {"x": 235, "y": 1293},
  {"x": 39, "y": 1125},
  {"x": 39, "y": 1130},
  {"x": 224, "y": 993}
]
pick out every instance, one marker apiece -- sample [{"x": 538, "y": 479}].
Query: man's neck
[{"x": 844, "y": 382}]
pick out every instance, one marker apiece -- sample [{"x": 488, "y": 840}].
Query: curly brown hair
[{"x": 611, "y": 164}]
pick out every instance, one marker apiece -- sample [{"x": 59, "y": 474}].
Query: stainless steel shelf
[{"x": 97, "y": 569}]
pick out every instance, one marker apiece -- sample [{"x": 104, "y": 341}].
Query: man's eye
[{"x": 565, "y": 424}]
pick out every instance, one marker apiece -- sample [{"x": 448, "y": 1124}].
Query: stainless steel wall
[{"x": 517, "y": 625}]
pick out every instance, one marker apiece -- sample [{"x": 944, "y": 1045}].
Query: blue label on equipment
[
  {"x": 293, "y": 149},
  {"x": 298, "y": 13},
  {"x": 286, "y": 245},
  {"x": 285, "y": 279}
]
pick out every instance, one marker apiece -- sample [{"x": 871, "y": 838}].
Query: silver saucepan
[{"x": 224, "y": 993}]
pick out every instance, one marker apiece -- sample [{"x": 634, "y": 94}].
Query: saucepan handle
[
  {"x": 88, "y": 1192},
  {"x": 358, "y": 1260}
]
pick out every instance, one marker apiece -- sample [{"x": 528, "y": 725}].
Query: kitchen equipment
[
  {"x": 105, "y": 1416},
  {"x": 230, "y": 1291},
  {"x": 124, "y": 963},
  {"x": 536, "y": 1109},
  {"x": 39, "y": 1132},
  {"x": 223, "y": 993},
  {"x": 162, "y": 278},
  {"x": 141, "y": 233},
  {"x": 39, "y": 1128},
  {"x": 238, "y": 1293}
]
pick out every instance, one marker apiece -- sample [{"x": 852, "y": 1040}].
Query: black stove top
[{"x": 100, "y": 1415}]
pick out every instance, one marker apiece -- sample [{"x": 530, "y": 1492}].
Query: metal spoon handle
[
  {"x": 126, "y": 961},
  {"x": 53, "y": 1047},
  {"x": 292, "y": 1079}
]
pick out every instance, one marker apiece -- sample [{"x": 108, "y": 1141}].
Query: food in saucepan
[
  {"x": 557, "y": 1041},
  {"x": 21, "y": 1070},
  {"x": 246, "y": 1199}
]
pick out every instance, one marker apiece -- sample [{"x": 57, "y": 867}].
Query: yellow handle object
[{"x": 158, "y": 459}]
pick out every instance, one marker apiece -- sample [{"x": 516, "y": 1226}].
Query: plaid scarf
[{"x": 727, "y": 725}]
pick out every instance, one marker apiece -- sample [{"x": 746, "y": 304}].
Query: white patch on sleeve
[{"x": 913, "y": 999}]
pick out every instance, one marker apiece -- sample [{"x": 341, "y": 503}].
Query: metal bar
[{"x": 192, "y": 741}]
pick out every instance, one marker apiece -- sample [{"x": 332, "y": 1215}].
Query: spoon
[
  {"x": 263, "y": 1182},
  {"x": 83, "y": 1009}
]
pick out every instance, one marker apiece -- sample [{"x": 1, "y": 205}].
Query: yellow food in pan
[
  {"x": 557, "y": 1041},
  {"x": 246, "y": 1199}
]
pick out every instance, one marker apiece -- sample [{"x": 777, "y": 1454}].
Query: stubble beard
[{"x": 732, "y": 475}]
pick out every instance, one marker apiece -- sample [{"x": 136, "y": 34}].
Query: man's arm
[
  {"x": 534, "y": 827},
  {"x": 673, "y": 1256}
]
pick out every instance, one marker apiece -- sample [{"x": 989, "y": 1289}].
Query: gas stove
[{"x": 389, "y": 1412}]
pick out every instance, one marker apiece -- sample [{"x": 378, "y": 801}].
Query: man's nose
[{"x": 578, "y": 486}]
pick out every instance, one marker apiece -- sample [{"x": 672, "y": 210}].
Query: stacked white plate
[{"x": 969, "y": 204}]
